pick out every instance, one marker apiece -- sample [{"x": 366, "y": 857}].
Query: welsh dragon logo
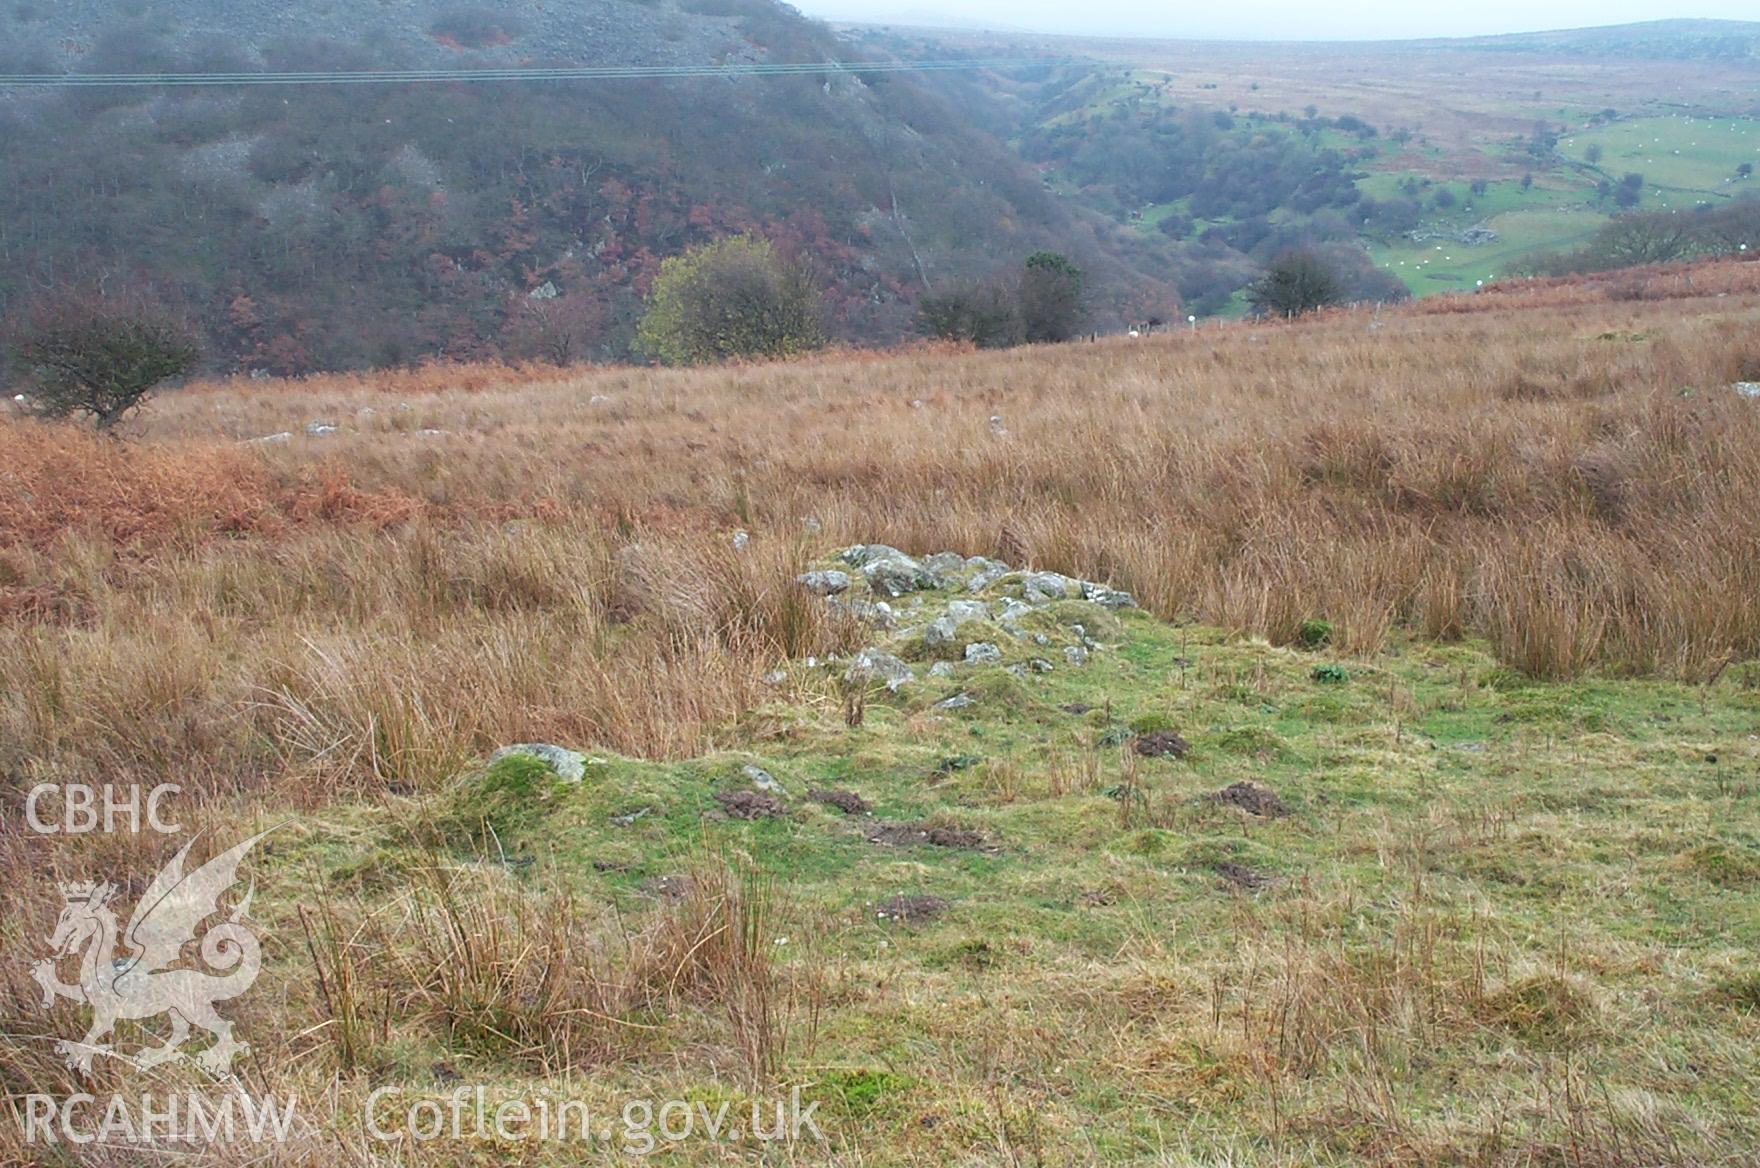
[{"x": 139, "y": 971}]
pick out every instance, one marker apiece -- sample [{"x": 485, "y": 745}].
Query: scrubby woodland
[
  {"x": 346, "y": 227},
  {"x": 336, "y": 227},
  {"x": 1452, "y": 162}
]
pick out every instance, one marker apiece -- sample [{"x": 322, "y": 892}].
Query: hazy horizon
[{"x": 1275, "y": 20}]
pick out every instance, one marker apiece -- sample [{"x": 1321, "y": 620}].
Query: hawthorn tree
[
  {"x": 1297, "y": 282},
  {"x": 1050, "y": 298},
  {"x": 100, "y": 356},
  {"x": 984, "y": 314}
]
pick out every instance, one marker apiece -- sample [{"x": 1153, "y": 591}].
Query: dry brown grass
[
  {"x": 1574, "y": 483},
  {"x": 1678, "y": 281},
  {"x": 544, "y": 981},
  {"x": 456, "y": 952}
]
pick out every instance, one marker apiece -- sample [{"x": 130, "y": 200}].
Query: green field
[
  {"x": 1451, "y": 266},
  {"x": 1685, "y": 160}
]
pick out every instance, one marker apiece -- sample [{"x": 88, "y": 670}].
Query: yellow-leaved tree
[{"x": 736, "y": 297}]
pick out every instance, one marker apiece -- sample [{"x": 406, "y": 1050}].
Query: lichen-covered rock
[
  {"x": 967, "y": 610},
  {"x": 1107, "y": 597},
  {"x": 944, "y": 564},
  {"x": 569, "y": 765},
  {"x": 945, "y": 628},
  {"x": 875, "y": 665},
  {"x": 934, "y": 597},
  {"x": 1044, "y": 587},
  {"x": 941, "y": 631},
  {"x": 828, "y": 582},
  {"x": 890, "y": 571},
  {"x": 863, "y": 554},
  {"x": 897, "y": 574},
  {"x": 984, "y": 573},
  {"x": 873, "y": 612},
  {"x": 958, "y": 701}
]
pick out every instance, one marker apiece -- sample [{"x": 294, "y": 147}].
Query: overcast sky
[{"x": 1279, "y": 19}]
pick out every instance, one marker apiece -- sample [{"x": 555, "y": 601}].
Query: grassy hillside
[
  {"x": 1405, "y": 813},
  {"x": 1530, "y": 137}
]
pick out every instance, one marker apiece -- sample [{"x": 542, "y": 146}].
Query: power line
[{"x": 578, "y": 73}]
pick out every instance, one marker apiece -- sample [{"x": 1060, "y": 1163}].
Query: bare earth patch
[
  {"x": 847, "y": 802},
  {"x": 1253, "y": 799},
  {"x": 1161, "y": 744},
  {"x": 911, "y": 910},
  {"x": 1242, "y": 877},
  {"x": 900, "y": 835},
  {"x": 750, "y": 804},
  {"x": 670, "y": 888}
]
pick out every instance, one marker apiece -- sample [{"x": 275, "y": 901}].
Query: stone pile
[{"x": 948, "y": 612}]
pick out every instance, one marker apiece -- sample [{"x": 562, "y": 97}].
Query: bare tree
[
  {"x": 1657, "y": 238},
  {"x": 557, "y": 330},
  {"x": 99, "y": 355}
]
